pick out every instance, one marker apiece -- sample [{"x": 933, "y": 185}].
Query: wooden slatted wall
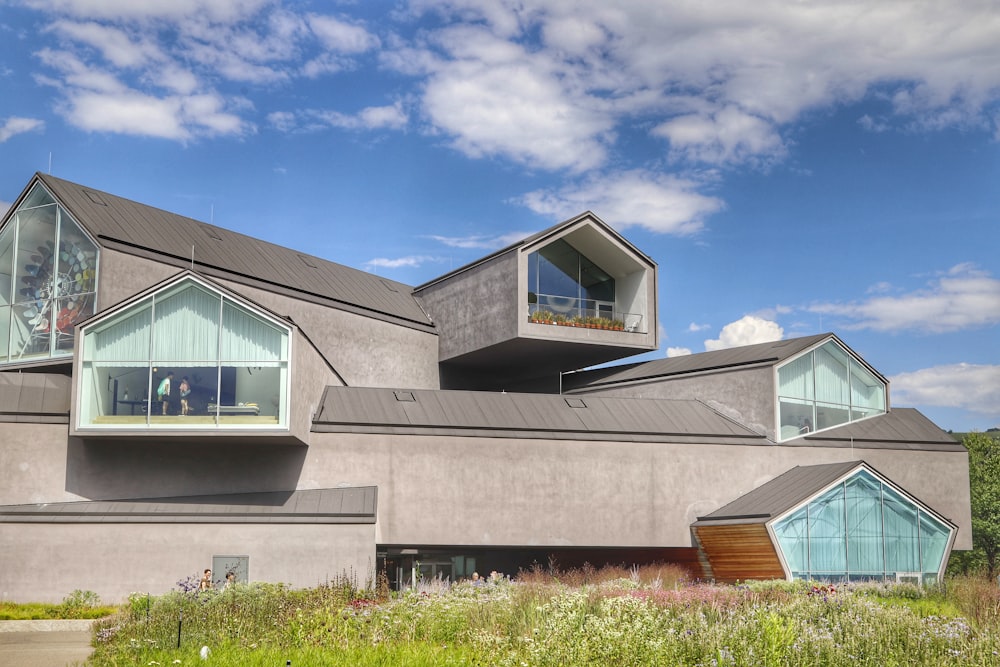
[{"x": 739, "y": 552}]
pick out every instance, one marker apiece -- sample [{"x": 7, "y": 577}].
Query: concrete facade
[{"x": 448, "y": 482}]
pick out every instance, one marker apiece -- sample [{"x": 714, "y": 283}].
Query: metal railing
[{"x": 591, "y": 313}]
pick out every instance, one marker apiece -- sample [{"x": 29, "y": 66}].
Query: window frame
[
  {"x": 814, "y": 400},
  {"x": 96, "y": 385}
]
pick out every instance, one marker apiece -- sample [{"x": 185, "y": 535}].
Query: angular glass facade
[
  {"x": 48, "y": 278},
  {"x": 823, "y": 388},
  {"x": 563, "y": 281},
  {"x": 224, "y": 364},
  {"x": 862, "y": 529}
]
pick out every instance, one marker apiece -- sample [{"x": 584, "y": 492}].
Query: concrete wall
[
  {"x": 745, "y": 395},
  {"x": 44, "y": 562},
  {"x": 365, "y": 351},
  {"x": 492, "y": 491},
  {"x": 477, "y": 308}
]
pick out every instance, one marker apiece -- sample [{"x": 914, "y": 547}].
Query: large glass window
[
  {"x": 48, "y": 276},
  {"x": 862, "y": 528},
  {"x": 563, "y": 281},
  {"x": 824, "y": 388},
  {"x": 188, "y": 356}
]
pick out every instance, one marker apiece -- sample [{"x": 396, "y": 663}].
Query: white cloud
[
  {"x": 341, "y": 36},
  {"x": 15, "y": 125},
  {"x": 391, "y": 117},
  {"x": 962, "y": 298},
  {"x": 694, "y": 327},
  {"x": 677, "y": 351},
  {"x": 722, "y": 81},
  {"x": 115, "y": 44},
  {"x": 729, "y": 136},
  {"x": 148, "y": 10},
  {"x": 482, "y": 242},
  {"x": 975, "y": 388},
  {"x": 745, "y": 331},
  {"x": 657, "y": 202},
  {"x": 412, "y": 261}
]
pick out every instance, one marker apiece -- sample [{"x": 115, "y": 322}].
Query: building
[{"x": 337, "y": 421}]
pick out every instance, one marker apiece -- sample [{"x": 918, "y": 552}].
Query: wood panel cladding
[{"x": 739, "y": 552}]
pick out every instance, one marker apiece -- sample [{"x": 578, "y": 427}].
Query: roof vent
[
  {"x": 389, "y": 286},
  {"x": 307, "y": 260},
  {"x": 94, "y": 197},
  {"x": 575, "y": 403},
  {"x": 211, "y": 232},
  {"x": 405, "y": 396}
]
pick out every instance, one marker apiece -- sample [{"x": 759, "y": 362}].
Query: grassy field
[{"x": 650, "y": 616}]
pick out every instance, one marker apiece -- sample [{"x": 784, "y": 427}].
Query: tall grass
[{"x": 586, "y": 617}]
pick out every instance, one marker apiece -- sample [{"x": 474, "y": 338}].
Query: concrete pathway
[{"x": 44, "y": 643}]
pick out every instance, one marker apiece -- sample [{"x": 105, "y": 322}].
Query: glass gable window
[
  {"x": 824, "y": 388},
  {"x": 861, "y": 529},
  {"x": 48, "y": 276},
  {"x": 188, "y": 356},
  {"x": 563, "y": 281}
]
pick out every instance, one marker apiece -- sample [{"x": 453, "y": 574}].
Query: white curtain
[
  {"x": 831, "y": 375},
  {"x": 795, "y": 379},
  {"x": 187, "y": 327},
  {"x": 247, "y": 338},
  {"x": 123, "y": 343}
]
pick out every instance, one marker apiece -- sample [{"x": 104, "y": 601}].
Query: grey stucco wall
[
  {"x": 486, "y": 491},
  {"x": 432, "y": 489},
  {"x": 365, "y": 351},
  {"x": 475, "y": 308},
  {"x": 45, "y": 562},
  {"x": 745, "y": 395}
]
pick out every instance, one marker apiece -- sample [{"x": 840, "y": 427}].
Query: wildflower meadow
[{"x": 647, "y": 616}]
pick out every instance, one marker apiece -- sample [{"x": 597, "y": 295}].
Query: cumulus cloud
[
  {"x": 658, "y": 202},
  {"x": 745, "y": 331},
  {"x": 728, "y": 136},
  {"x": 115, "y": 62},
  {"x": 15, "y": 125},
  {"x": 963, "y": 297},
  {"x": 972, "y": 387},
  {"x": 677, "y": 351},
  {"x": 694, "y": 327}
]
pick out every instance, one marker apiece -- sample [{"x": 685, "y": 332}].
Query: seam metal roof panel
[{"x": 148, "y": 228}]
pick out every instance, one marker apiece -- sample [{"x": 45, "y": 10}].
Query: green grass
[
  {"x": 78, "y": 605},
  {"x": 581, "y": 618}
]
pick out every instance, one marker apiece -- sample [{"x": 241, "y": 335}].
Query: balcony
[{"x": 583, "y": 313}]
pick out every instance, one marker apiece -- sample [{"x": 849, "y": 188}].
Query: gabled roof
[
  {"x": 771, "y": 354},
  {"x": 136, "y": 228},
  {"x": 587, "y": 217},
  {"x": 780, "y": 494},
  {"x": 340, "y": 505},
  {"x": 515, "y": 415}
]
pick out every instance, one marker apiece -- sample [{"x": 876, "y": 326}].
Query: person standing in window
[
  {"x": 163, "y": 391},
  {"x": 185, "y": 390}
]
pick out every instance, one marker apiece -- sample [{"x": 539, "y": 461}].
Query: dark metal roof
[
  {"x": 748, "y": 355},
  {"x": 320, "y": 506},
  {"x": 34, "y": 397},
  {"x": 780, "y": 494},
  {"x": 137, "y": 228},
  {"x": 900, "y": 428},
  {"x": 515, "y": 415}
]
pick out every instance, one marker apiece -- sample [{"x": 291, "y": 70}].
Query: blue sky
[{"x": 792, "y": 167}]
